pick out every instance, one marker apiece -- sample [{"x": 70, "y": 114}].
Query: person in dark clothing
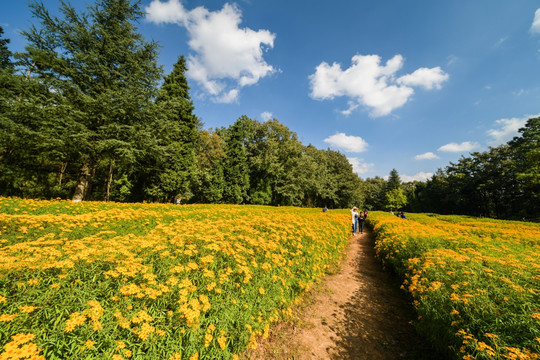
[{"x": 361, "y": 219}]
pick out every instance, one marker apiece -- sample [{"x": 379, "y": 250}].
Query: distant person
[
  {"x": 365, "y": 214},
  {"x": 354, "y": 219},
  {"x": 402, "y": 215},
  {"x": 325, "y": 209},
  {"x": 361, "y": 219}
]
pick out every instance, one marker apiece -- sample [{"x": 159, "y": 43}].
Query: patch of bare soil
[{"x": 356, "y": 313}]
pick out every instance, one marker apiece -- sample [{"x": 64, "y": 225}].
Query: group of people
[
  {"x": 358, "y": 218},
  {"x": 400, "y": 214}
]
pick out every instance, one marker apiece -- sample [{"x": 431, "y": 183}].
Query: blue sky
[{"x": 410, "y": 85}]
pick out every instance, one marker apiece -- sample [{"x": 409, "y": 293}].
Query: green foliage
[
  {"x": 395, "y": 199},
  {"x": 171, "y": 167},
  {"x": 502, "y": 182},
  {"x": 82, "y": 117},
  {"x": 99, "y": 77},
  {"x": 236, "y": 172},
  {"x": 394, "y": 181}
]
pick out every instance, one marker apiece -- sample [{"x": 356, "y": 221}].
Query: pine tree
[
  {"x": 394, "y": 181},
  {"x": 5, "y": 54},
  {"x": 236, "y": 171},
  {"x": 104, "y": 75},
  {"x": 176, "y": 131}
]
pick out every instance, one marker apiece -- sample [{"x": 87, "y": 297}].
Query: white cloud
[
  {"x": 463, "y": 147},
  {"x": 507, "y": 129},
  {"x": 426, "y": 156},
  {"x": 421, "y": 176},
  {"x": 352, "y": 106},
  {"x": 266, "y": 116},
  {"x": 452, "y": 59},
  {"x": 347, "y": 143},
  {"x": 367, "y": 82},
  {"x": 359, "y": 166},
  {"x": 535, "y": 27},
  {"x": 501, "y": 41},
  {"x": 171, "y": 11},
  {"x": 427, "y": 78},
  {"x": 226, "y": 57}
]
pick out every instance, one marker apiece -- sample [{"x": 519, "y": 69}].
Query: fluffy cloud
[
  {"x": 421, "y": 176},
  {"x": 507, "y": 129},
  {"x": 359, "y": 166},
  {"x": 366, "y": 82},
  {"x": 347, "y": 143},
  {"x": 266, "y": 116},
  {"x": 226, "y": 57},
  {"x": 426, "y": 156},
  {"x": 535, "y": 27},
  {"x": 426, "y": 78},
  {"x": 463, "y": 147}
]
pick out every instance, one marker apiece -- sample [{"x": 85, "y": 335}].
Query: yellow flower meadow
[
  {"x": 160, "y": 281},
  {"x": 475, "y": 283}
]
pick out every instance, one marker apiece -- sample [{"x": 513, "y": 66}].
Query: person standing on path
[
  {"x": 361, "y": 218},
  {"x": 354, "y": 219}
]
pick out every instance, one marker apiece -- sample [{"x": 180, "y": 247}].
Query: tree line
[
  {"x": 86, "y": 113},
  {"x": 503, "y": 182}
]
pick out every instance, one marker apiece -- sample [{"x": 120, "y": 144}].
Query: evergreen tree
[
  {"x": 103, "y": 75},
  {"x": 236, "y": 171},
  {"x": 394, "y": 181},
  {"x": 5, "y": 54},
  {"x": 171, "y": 171}
]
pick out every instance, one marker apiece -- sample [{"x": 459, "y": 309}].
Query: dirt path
[{"x": 357, "y": 313}]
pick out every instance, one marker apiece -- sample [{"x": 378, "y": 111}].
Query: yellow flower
[
  {"x": 176, "y": 356},
  {"x": 7, "y": 317},
  {"x": 33, "y": 282},
  {"x": 194, "y": 356},
  {"x": 27, "y": 309},
  {"x": 222, "y": 341},
  {"x": 22, "y": 338},
  {"x": 74, "y": 320},
  {"x": 208, "y": 339},
  {"x": 261, "y": 290},
  {"x": 89, "y": 343}
]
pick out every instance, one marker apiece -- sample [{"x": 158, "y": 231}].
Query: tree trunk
[
  {"x": 62, "y": 171},
  {"x": 82, "y": 186},
  {"x": 109, "y": 180}
]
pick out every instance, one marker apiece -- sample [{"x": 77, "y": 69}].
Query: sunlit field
[
  {"x": 149, "y": 281},
  {"x": 475, "y": 282}
]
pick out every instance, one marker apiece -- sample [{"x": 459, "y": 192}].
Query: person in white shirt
[{"x": 354, "y": 218}]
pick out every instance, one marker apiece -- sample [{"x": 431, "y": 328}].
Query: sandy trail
[{"x": 357, "y": 313}]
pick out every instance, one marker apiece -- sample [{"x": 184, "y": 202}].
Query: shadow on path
[
  {"x": 358, "y": 313},
  {"x": 376, "y": 321}
]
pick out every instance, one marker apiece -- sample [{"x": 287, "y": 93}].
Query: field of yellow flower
[
  {"x": 475, "y": 283},
  {"x": 150, "y": 281}
]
